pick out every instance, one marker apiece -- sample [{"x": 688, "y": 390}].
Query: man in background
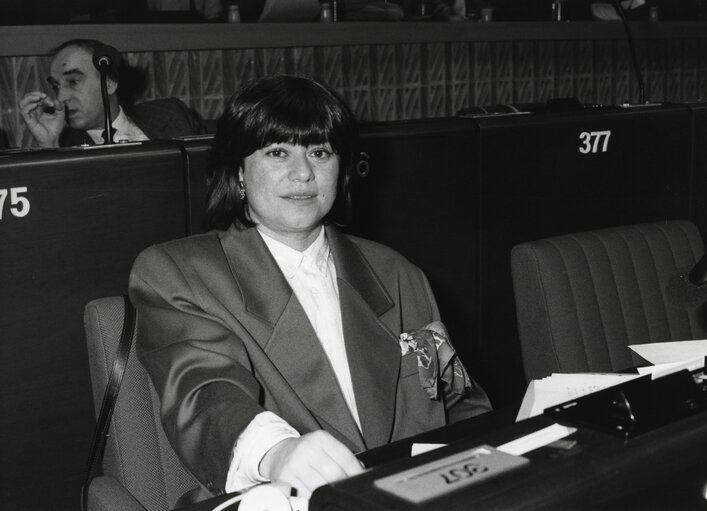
[{"x": 75, "y": 115}]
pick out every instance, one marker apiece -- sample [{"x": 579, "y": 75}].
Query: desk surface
[{"x": 663, "y": 469}]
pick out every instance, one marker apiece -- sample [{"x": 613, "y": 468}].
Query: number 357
[{"x": 19, "y": 205}]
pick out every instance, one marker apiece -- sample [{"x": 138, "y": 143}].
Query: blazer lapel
[
  {"x": 372, "y": 349},
  {"x": 285, "y": 333},
  {"x": 295, "y": 349}
]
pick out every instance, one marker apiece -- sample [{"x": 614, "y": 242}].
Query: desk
[
  {"x": 664, "y": 469},
  {"x": 400, "y": 450},
  {"x": 638, "y": 445}
]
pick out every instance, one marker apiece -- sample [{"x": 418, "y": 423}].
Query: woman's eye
[
  {"x": 321, "y": 153},
  {"x": 276, "y": 153}
]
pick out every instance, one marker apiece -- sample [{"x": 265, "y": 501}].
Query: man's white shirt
[{"x": 125, "y": 130}]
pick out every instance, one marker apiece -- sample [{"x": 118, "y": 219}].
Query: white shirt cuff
[{"x": 264, "y": 431}]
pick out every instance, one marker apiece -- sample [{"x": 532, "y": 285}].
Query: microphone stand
[{"x": 103, "y": 69}]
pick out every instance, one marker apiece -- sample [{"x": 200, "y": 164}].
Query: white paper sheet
[
  {"x": 672, "y": 367},
  {"x": 536, "y": 439},
  {"x": 559, "y": 387},
  {"x": 420, "y": 448},
  {"x": 669, "y": 352}
]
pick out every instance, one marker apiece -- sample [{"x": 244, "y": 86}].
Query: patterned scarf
[{"x": 436, "y": 359}]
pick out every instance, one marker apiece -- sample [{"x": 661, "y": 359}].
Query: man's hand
[
  {"x": 44, "y": 117},
  {"x": 309, "y": 461}
]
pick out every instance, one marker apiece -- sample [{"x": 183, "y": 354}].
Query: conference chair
[
  {"x": 583, "y": 298},
  {"x": 140, "y": 469}
]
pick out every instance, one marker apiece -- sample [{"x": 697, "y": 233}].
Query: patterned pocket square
[{"x": 436, "y": 359}]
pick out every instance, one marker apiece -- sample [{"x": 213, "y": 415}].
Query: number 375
[{"x": 19, "y": 205}]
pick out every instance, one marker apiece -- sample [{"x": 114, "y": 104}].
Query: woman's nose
[{"x": 301, "y": 169}]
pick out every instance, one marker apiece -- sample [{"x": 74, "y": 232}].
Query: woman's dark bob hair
[{"x": 270, "y": 110}]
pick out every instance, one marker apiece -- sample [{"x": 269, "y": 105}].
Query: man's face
[{"x": 77, "y": 83}]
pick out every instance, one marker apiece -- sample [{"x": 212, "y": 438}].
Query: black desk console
[{"x": 639, "y": 445}]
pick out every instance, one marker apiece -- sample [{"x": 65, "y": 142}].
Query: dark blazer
[
  {"x": 223, "y": 337},
  {"x": 158, "y": 119}
]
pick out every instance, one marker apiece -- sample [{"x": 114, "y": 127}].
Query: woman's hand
[{"x": 309, "y": 461}]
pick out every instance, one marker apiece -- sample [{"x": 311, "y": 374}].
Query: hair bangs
[{"x": 299, "y": 119}]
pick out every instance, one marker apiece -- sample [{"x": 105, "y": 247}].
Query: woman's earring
[{"x": 241, "y": 190}]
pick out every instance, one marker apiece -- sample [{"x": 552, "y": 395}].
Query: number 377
[
  {"x": 19, "y": 205},
  {"x": 594, "y": 141}
]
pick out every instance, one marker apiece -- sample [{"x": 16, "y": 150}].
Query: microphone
[{"x": 106, "y": 59}]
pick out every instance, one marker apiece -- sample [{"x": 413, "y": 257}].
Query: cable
[{"x": 632, "y": 48}]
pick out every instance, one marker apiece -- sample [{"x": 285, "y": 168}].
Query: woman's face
[{"x": 290, "y": 188}]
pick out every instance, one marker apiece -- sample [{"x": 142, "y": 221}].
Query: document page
[
  {"x": 560, "y": 387},
  {"x": 670, "y": 352}
]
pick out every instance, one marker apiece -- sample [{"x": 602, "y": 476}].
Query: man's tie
[{"x": 112, "y": 135}]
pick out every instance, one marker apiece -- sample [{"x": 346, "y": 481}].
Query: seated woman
[{"x": 278, "y": 345}]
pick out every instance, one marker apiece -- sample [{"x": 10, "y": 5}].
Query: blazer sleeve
[
  {"x": 166, "y": 118},
  {"x": 458, "y": 407},
  {"x": 198, "y": 365},
  {"x": 475, "y": 402},
  {"x": 197, "y": 124}
]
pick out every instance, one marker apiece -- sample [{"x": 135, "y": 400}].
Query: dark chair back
[{"x": 582, "y": 298}]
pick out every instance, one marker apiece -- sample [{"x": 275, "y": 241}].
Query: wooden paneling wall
[{"x": 398, "y": 75}]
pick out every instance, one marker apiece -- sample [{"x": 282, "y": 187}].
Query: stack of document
[
  {"x": 559, "y": 387},
  {"x": 666, "y": 357},
  {"x": 669, "y": 357}
]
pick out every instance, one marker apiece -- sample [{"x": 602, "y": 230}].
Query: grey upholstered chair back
[
  {"x": 138, "y": 456},
  {"x": 582, "y": 298}
]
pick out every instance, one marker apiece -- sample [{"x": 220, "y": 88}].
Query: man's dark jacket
[{"x": 158, "y": 119}]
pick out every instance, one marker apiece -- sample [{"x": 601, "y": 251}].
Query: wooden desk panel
[
  {"x": 539, "y": 178},
  {"x": 91, "y": 212},
  {"x": 196, "y": 154}
]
